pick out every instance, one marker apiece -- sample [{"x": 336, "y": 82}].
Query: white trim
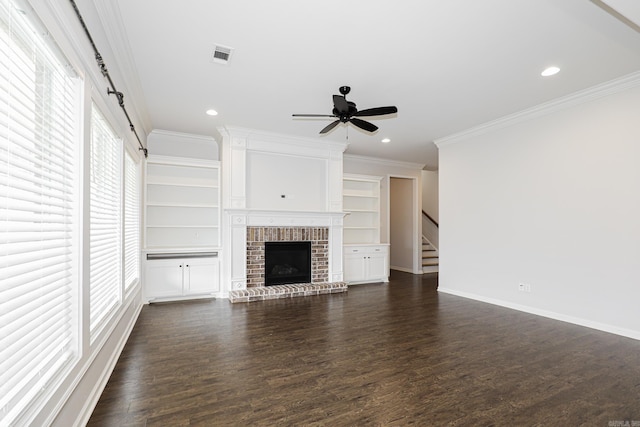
[
  {"x": 109, "y": 13},
  {"x": 279, "y": 143},
  {"x": 406, "y": 270},
  {"x": 182, "y": 161},
  {"x": 93, "y": 398},
  {"x": 384, "y": 162},
  {"x": 416, "y": 229},
  {"x": 173, "y": 134},
  {"x": 361, "y": 177},
  {"x": 608, "y": 88},
  {"x": 80, "y": 376},
  {"x": 629, "y": 333},
  {"x": 240, "y": 219}
]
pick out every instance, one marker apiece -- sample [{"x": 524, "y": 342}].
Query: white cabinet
[
  {"x": 361, "y": 202},
  {"x": 366, "y": 263},
  {"x": 175, "y": 276},
  {"x": 182, "y": 228},
  {"x": 182, "y": 204}
]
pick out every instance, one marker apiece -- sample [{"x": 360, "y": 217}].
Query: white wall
[
  {"x": 430, "y": 194},
  {"x": 260, "y": 167},
  {"x": 282, "y": 182},
  {"x": 168, "y": 143},
  {"x": 551, "y": 200}
]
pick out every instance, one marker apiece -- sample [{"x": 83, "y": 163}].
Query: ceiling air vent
[{"x": 221, "y": 54}]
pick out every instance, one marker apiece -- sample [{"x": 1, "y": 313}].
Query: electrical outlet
[{"x": 524, "y": 287}]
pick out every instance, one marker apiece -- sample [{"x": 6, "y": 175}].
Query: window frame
[{"x": 65, "y": 81}]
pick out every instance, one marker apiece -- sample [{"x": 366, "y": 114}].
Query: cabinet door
[
  {"x": 377, "y": 266},
  {"x": 201, "y": 276},
  {"x": 163, "y": 278},
  {"x": 354, "y": 267}
]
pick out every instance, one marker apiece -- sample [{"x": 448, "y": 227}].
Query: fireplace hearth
[{"x": 287, "y": 262}]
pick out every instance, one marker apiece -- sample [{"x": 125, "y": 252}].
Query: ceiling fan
[{"x": 346, "y": 111}]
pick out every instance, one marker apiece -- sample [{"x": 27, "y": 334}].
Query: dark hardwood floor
[{"x": 396, "y": 354}]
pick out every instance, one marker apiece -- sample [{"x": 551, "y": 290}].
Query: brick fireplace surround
[
  {"x": 256, "y": 236},
  {"x": 256, "y": 289}
]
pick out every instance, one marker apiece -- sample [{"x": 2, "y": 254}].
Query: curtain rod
[{"x": 103, "y": 68}]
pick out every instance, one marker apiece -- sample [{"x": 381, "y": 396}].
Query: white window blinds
[
  {"x": 105, "y": 222},
  {"x": 39, "y": 210},
  {"x": 131, "y": 221}
]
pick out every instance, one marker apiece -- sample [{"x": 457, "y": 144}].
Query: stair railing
[{"x": 430, "y": 229}]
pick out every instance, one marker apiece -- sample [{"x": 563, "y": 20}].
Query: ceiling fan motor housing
[{"x": 346, "y": 115}]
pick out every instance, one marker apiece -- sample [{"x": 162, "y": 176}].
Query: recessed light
[
  {"x": 386, "y": 141},
  {"x": 550, "y": 71},
  {"x": 212, "y": 112}
]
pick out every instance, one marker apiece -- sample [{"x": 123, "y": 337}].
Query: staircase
[
  {"x": 430, "y": 239},
  {"x": 429, "y": 257}
]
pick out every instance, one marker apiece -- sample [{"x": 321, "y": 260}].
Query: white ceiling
[{"x": 447, "y": 65}]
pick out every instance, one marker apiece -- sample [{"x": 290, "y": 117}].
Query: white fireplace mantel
[
  {"x": 240, "y": 219},
  {"x": 264, "y": 218},
  {"x": 272, "y": 180}
]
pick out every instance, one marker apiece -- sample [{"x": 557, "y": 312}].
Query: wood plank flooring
[{"x": 388, "y": 355}]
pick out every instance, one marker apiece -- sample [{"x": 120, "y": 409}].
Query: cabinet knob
[
  {"x": 180, "y": 266},
  {"x": 187, "y": 265}
]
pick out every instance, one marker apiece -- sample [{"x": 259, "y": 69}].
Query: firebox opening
[{"x": 287, "y": 262}]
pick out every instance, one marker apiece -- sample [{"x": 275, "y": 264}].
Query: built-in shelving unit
[
  {"x": 365, "y": 258},
  {"x": 182, "y": 228},
  {"x": 182, "y": 204},
  {"x": 361, "y": 201}
]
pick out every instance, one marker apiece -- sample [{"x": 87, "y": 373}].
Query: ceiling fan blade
[
  {"x": 342, "y": 107},
  {"x": 369, "y": 127},
  {"x": 314, "y": 115},
  {"x": 379, "y": 111},
  {"x": 329, "y": 127}
]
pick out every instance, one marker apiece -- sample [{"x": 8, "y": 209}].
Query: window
[
  {"x": 131, "y": 221},
  {"x": 39, "y": 210},
  {"x": 105, "y": 251}
]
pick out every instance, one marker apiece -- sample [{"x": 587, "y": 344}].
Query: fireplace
[
  {"x": 287, "y": 262},
  {"x": 259, "y": 237}
]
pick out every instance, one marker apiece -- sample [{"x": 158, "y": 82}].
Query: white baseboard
[
  {"x": 406, "y": 270},
  {"x": 629, "y": 333},
  {"x": 96, "y": 392}
]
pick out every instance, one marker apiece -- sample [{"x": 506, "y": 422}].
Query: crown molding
[
  {"x": 265, "y": 136},
  {"x": 605, "y": 89},
  {"x": 173, "y": 134},
  {"x": 111, "y": 20},
  {"x": 384, "y": 162}
]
